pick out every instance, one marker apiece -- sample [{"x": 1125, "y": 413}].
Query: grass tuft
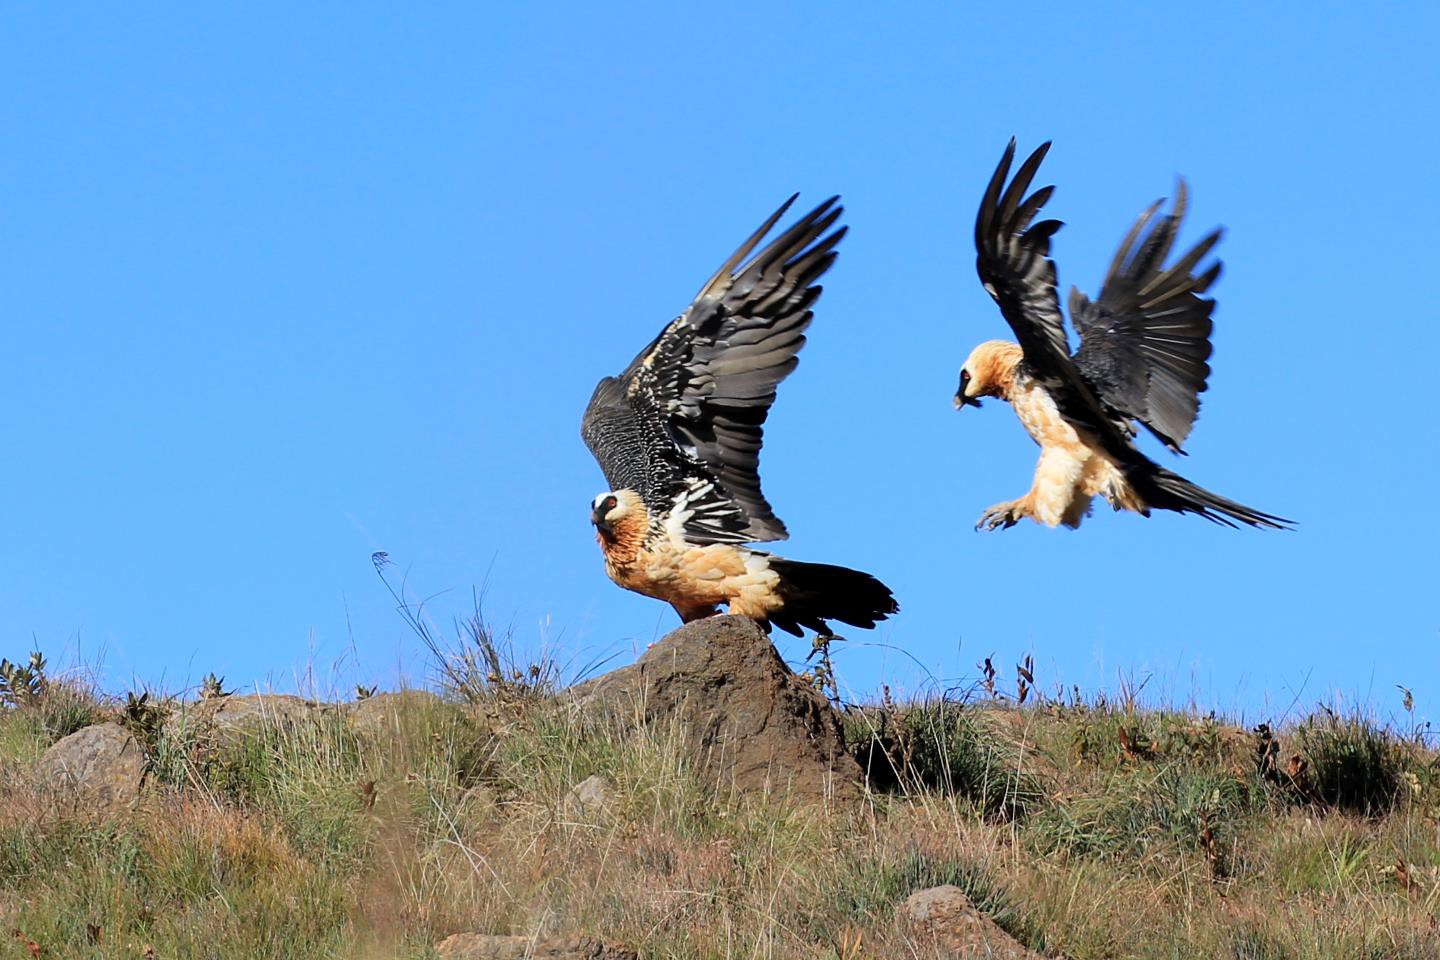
[
  {"x": 945, "y": 747},
  {"x": 1350, "y": 763}
]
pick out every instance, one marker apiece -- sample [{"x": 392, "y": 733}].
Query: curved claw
[{"x": 999, "y": 517}]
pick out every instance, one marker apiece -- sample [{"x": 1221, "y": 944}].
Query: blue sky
[{"x": 282, "y": 286}]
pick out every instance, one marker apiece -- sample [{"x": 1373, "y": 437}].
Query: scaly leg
[
  {"x": 1054, "y": 496},
  {"x": 1003, "y": 516}
]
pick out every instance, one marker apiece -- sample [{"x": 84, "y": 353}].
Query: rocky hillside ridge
[{"x": 703, "y": 801}]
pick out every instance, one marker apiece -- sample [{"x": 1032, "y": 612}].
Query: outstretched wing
[
  {"x": 616, "y": 437},
  {"x": 1012, "y": 256},
  {"x": 683, "y": 424},
  {"x": 1144, "y": 343},
  {"x": 1013, "y": 260}
]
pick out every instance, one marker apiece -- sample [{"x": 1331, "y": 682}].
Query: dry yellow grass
[{"x": 1088, "y": 831}]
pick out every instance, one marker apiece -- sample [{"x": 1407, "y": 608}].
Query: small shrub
[
  {"x": 23, "y": 684},
  {"x": 45, "y": 708},
  {"x": 951, "y": 750},
  {"x": 213, "y": 687},
  {"x": 144, "y": 718},
  {"x": 1350, "y": 763},
  {"x": 943, "y": 746}
]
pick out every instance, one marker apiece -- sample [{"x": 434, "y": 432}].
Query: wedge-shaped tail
[
  {"x": 816, "y": 592},
  {"x": 1169, "y": 491}
]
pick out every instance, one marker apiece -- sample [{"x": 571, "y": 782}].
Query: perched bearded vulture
[
  {"x": 678, "y": 436},
  {"x": 1142, "y": 359}
]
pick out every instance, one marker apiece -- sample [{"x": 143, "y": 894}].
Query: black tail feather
[
  {"x": 816, "y": 592},
  {"x": 1170, "y": 491}
]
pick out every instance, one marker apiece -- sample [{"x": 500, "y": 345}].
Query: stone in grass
[
  {"x": 748, "y": 721},
  {"x": 945, "y": 916},
  {"x": 480, "y": 946},
  {"x": 589, "y": 798},
  {"x": 100, "y": 766}
]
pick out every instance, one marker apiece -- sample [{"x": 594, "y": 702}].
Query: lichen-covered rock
[
  {"x": 480, "y": 946},
  {"x": 748, "y": 719},
  {"x": 100, "y": 765},
  {"x": 945, "y": 916}
]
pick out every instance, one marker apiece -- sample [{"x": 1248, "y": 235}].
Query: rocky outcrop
[
  {"x": 229, "y": 718},
  {"x": 101, "y": 766},
  {"x": 746, "y": 717},
  {"x": 945, "y": 917},
  {"x": 479, "y": 946}
]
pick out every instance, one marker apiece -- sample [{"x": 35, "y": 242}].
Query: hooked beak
[
  {"x": 962, "y": 401},
  {"x": 601, "y": 523}
]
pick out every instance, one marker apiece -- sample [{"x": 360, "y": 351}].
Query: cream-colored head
[
  {"x": 615, "y": 512},
  {"x": 989, "y": 371}
]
